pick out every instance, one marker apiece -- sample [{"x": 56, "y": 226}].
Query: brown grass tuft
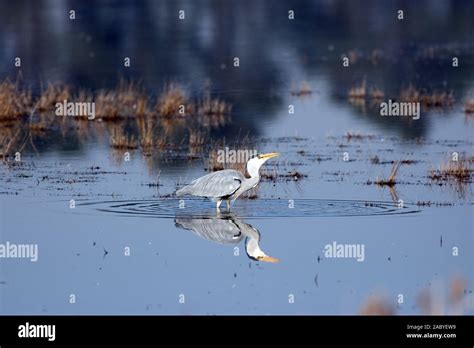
[
  {"x": 119, "y": 139},
  {"x": 459, "y": 171},
  {"x": 304, "y": 89},
  {"x": 215, "y": 163},
  {"x": 376, "y": 93},
  {"x": 14, "y": 102},
  {"x": 129, "y": 100},
  {"x": 391, "y": 181},
  {"x": 146, "y": 129},
  {"x": 208, "y": 106},
  {"x": 358, "y": 136},
  {"x": 469, "y": 106},
  {"x": 358, "y": 92},
  {"x": 433, "y": 99},
  {"x": 54, "y": 93},
  {"x": 8, "y": 140},
  {"x": 170, "y": 100},
  {"x": 197, "y": 138}
]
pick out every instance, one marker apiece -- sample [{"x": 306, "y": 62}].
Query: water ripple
[{"x": 260, "y": 208}]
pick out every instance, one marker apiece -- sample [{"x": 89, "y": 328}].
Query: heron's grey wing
[
  {"x": 218, "y": 184},
  {"x": 223, "y": 231}
]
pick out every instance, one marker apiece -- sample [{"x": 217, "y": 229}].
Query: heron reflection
[{"x": 226, "y": 229}]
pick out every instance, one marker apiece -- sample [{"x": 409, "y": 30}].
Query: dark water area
[{"x": 275, "y": 54}]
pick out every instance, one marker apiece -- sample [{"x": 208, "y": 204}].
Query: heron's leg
[
  {"x": 228, "y": 204},
  {"x": 218, "y": 204}
]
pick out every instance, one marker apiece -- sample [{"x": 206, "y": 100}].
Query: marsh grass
[
  {"x": 358, "y": 92},
  {"x": 8, "y": 141},
  {"x": 40, "y": 122},
  {"x": 358, "y": 136},
  {"x": 274, "y": 175},
  {"x": 197, "y": 138},
  {"x": 469, "y": 106},
  {"x": 128, "y": 100},
  {"x": 120, "y": 139},
  {"x": 376, "y": 93},
  {"x": 131, "y": 118},
  {"x": 391, "y": 180},
  {"x": 375, "y": 159},
  {"x": 106, "y": 106},
  {"x": 146, "y": 130},
  {"x": 304, "y": 90},
  {"x": 459, "y": 171},
  {"x": 208, "y": 106},
  {"x": 14, "y": 101},
  {"x": 54, "y": 93},
  {"x": 427, "y": 99},
  {"x": 358, "y": 103},
  {"x": 171, "y": 99},
  {"x": 215, "y": 163}
]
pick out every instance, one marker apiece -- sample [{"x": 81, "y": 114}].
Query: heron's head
[
  {"x": 254, "y": 252},
  {"x": 254, "y": 164}
]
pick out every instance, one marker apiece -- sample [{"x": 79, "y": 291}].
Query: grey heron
[
  {"x": 227, "y": 184},
  {"x": 227, "y": 229}
]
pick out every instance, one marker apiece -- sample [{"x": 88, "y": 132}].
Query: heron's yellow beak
[
  {"x": 269, "y": 259},
  {"x": 270, "y": 155}
]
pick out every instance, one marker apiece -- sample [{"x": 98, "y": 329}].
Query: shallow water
[
  {"x": 126, "y": 247},
  {"x": 83, "y": 253},
  {"x": 261, "y": 208}
]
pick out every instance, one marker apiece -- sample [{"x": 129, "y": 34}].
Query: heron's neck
[
  {"x": 254, "y": 171},
  {"x": 252, "y": 247}
]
